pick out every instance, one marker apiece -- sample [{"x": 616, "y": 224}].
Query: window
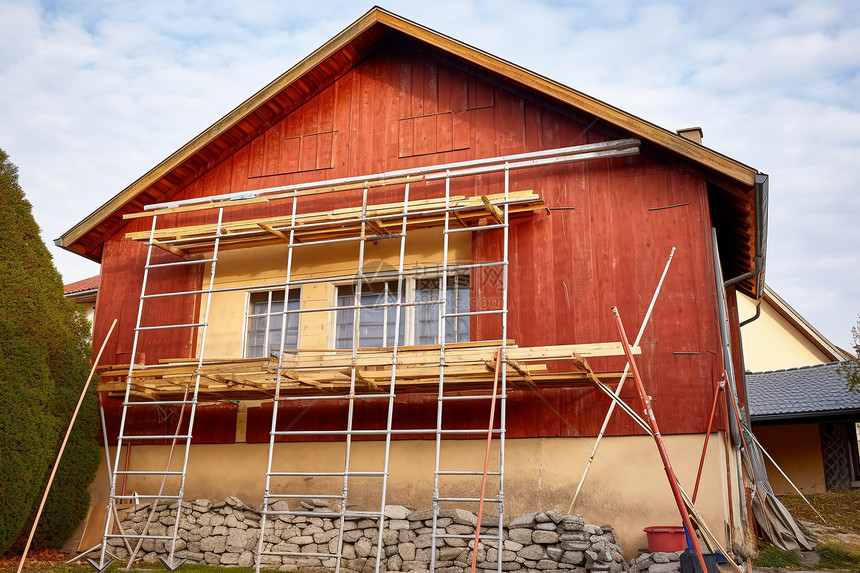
[
  {"x": 427, "y": 316},
  {"x": 419, "y": 323},
  {"x": 264, "y": 321},
  {"x": 375, "y": 323}
]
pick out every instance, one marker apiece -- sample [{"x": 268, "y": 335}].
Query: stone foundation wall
[{"x": 227, "y": 533}]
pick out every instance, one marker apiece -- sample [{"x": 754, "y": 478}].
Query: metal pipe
[
  {"x": 358, "y": 180},
  {"x": 720, "y": 388},
  {"x": 378, "y": 275},
  {"x": 754, "y": 316}
]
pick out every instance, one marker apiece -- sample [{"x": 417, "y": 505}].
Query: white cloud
[{"x": 96, "y": 93}]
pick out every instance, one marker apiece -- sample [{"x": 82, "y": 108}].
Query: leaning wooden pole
[
  {"x": 63, "y": 447},
  {"x": 499, "y": 366},
  {"x": 620, "y": 383},
  {"x": 652, "y": 421}
]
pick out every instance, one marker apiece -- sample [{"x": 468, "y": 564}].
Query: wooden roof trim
[
  {"x": 680, "y": 145},
  {"x": 663, "y": 137},
  {"x": 213, "y": 131}
]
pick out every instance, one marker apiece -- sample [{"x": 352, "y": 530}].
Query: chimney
[{"x": 691, "y": 133}]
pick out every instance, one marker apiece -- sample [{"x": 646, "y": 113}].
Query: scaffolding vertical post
[
  {"x": 504, "y": 390},
  {"x": 392, "y": 386},
  {"x": 170, "y": 563},
  {"x": 443, "y": 286},
  {"x": 498, "y": 398},
  {"x": 101, "y": 564},
  {"x": 264, "y": 510}
]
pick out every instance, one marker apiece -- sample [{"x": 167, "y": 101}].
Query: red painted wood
[
  {"x": 603, "y": 243},
  {"x": 213, "y": 424}
]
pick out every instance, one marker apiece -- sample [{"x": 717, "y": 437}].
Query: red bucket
[{"x": 665, "y": 538}]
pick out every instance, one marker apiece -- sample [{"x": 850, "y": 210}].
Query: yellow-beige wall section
[
  {"x": 797, "y": 450},
  {"x": 259, "y": 267},
  {"x": 626, "y": 482},
  {"x": 772, "y": 343}
]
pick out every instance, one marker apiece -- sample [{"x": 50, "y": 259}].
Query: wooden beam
[
  {"x": 497, "y": 213},
  {"x": 170, "y": 248}
]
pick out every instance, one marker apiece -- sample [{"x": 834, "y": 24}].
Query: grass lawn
[{"x": 839, "y": 508}]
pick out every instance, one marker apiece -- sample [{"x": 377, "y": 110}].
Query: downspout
[
  {"x": 760, "y": 197},
  {"x": 761, "y": 203}
]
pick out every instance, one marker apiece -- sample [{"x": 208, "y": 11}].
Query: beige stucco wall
[
  {"x": 267, "y": 266},
  {"x": 797, "y": 450},
  {"x": 626, "y": 488},
  {"x": 771, "y": 342}
]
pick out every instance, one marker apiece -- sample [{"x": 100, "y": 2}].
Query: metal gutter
[{"x": 760, "y": 198}]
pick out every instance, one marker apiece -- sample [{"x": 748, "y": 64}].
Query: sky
[{"x": 95, "y": 93}]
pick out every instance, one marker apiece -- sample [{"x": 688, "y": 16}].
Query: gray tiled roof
[{"x": 794, "y": 392}]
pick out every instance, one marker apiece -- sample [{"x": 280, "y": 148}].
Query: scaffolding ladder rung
[
  {"x": 305, "y": 496},
  {"x": 335, "y": 397},
  {"x": 473, "y": 313},
  {"x": 297, "y": 554},
  {"x": 324, "y": 513},
  {"x": 326, "y": 474},
  {"x": 348, "y": 240},
  {"x": 164, "y": 437},
  {"x": 160, "y": 403},
  {"x": 465, "y": 473},
  {"x": 476, "y": 228},
  {"x": 145, "y": 496},
  {"x": 471, "y": 397},
  {"x": 461, "y": 535},
  {"x": 136, "y": 536},
  {"x": 146, "y": 473},
  {"x": 468, "y": 499},
  {"x": 180, "y": 263},
  {"x": 405, "y": 431},
  {"x": 167, "y": 326}
]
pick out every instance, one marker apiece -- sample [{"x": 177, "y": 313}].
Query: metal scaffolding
[{"x": 371, "y": 222}]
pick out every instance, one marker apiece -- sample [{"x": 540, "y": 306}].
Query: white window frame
[
  {"x": 248, "y": 315},
  {"x": 409, "y": 316}
]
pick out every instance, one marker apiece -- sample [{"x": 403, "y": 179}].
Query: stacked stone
[
  {"x": 659, "y": 562},
  {"x": 227, "y": 533}
]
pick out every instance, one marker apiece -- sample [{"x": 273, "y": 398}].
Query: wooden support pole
[
  {"x": 499, "y": 366},
  {"x": 63, "y": 448},
  {"x": 652, "y": 421}
]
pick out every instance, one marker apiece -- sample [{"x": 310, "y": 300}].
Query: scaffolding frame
[{"x": 360, "y": 226}]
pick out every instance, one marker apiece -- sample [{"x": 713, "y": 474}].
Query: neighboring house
[
  {"x": 84, "y": 292},
  {"x": 800, "y": 407},
  {"x": 809, "y": 421},
  {"x": 279, "y": 261},
  {"x": 778, "y": 337}
]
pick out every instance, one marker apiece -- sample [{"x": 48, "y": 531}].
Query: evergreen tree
[{"x": 44, "y": 362}]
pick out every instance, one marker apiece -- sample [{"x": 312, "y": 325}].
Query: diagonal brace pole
[
  {"x": 620, "y": 383},
  {"x": 652, "y": 421}
]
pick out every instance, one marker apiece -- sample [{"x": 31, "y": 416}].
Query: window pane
[
  {"x": 376, "y": 323},
  {"x": 265, "y": 321},
  {"x": 427, "y": 315}
]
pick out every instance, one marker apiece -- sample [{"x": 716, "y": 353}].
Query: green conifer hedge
[{"x": 44, "y": 362}]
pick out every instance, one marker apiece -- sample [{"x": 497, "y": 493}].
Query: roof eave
[{"x": 664, "y": 138}]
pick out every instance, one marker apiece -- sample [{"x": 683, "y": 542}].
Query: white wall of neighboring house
[{"x": 780, "y": 338}]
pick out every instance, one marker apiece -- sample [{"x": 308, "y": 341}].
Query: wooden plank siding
[{"x": 603, "y": 242}]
